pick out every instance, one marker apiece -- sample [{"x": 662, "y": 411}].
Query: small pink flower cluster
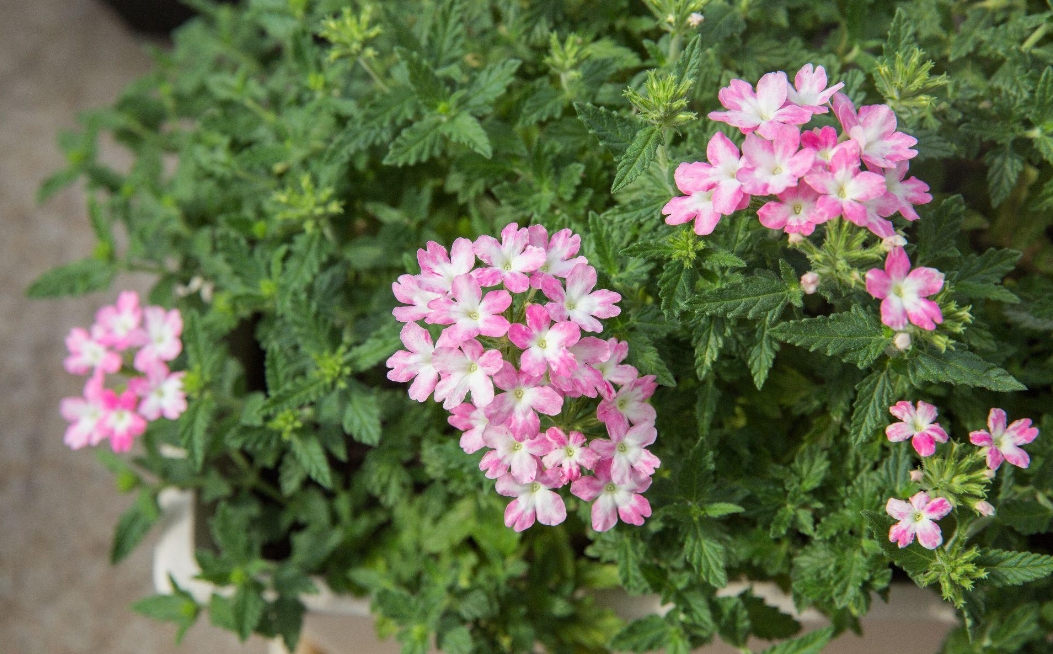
[
  {"x": 101, "y": 412},
  {"x": 539, "y": 364},
  {"x": 918, "y": 422}
]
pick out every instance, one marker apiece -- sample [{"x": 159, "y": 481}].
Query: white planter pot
[{"x": 914, "y": 620}]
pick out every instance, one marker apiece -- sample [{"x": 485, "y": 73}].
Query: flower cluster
[
  {"x": 547, "y": 372},
  {"x": 814, "y": 177},
  {"x": 998, "y": 443},
  {"x": 104, "y": 413}
]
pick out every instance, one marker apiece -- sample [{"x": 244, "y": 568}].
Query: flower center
[
  {"x": 474, "y": 315},
  {"x": 517, "y": 446},
  {"x": 897, "y": 290},
  {"x": 798, "y": 208},
  {"x": 518, "y": 393},
  {"x": 610, "y": 488},
  {"x": 507, "y": 267},
  {"x": 918, "y": 516},
  {"x": 542, "y": 344},
  {"x": 535, "y": 487},
  {"x": 841, "y": 193},
  {"x": 569, "y": 451},
  {"x": 623, "y": 448},
  {"x": 570, "y": 306},
  {"x": 777, "y": 170},
  {"x": 473, "y": 366}
]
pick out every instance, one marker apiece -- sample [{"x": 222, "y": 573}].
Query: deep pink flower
[
  {"x": 720, "y": 174},
  {"x": 795, "y": 212},
  {"x": 917, "y": 517},
  {"x": 468, "y": 313},
  {"x": 902, "y": 292},
  {"x": 579, "y": 303},
  {"x": 408, "y": 290},
  {"x": 465, "y": 368},
  {"x": 762, "y": 110},
  {"x": 559, "y": 253},
  {"x": 613, "y": 370},
  {"x": 519, "y": 455},
  {"x": 569, "y": 453},
  {"x": 510, "y": 259},
  {"x": 161, "y": 392},
  {"x": 533, "y": 500},
  {"x": 771, "y": 167},
  {"x": 118, "y": 324},
  {"x": 438, "y": 269},
  {"x": 628, "y": 406},
  {"x": 416, "y": 363},
  {"x": 874, "y": 129},
  {"x": 626, "y": 452},
  {"x": 822, "y": 142},
  {"x": 844, "y": 189},
  {"x": 161, "y": 337},
  {"x": 474, "y": 424},
  {"x": 918, "y": 424},
  {"x": 1003, "y": 443},
  {"x": 88, "y": 354},
  {"x": 613, "y": 500},
  {"x": 544, "y": 346},
  {"x": 586, "y": 379},
  {"x": 86, "y": 416},
  {"x": 901, "y": 195},
  {"x": 525, "y": 397},
  {"x": 811, "y": 91},
  {"x": 122, "y": 422}
]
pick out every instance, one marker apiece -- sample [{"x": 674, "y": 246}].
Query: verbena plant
[{"x": 290, "y": 158}]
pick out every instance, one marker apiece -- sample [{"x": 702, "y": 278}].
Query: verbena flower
[
  {"x": 85, "y": 415},
  {"x": 626, "y": 452},
  {"x": 874, "y": 129},
  {"x": 918, "y": 517},
  {"x": 118, "y": 324},
  {"x": 465, "y": 368},
  {"x": 903, "y": 292},
  {"x": 468, "y": 313},
  {"x": 87, "y": 353},
  {"x": 510, "y": 260},
  {"x": 160, "y": 338},
  {"x": 534, "y": 500},
  {"x": 762, "y": 110},
  {"x": 545, "y": 344},
  {"x": 579, "y": 303},
  {"x": 1003, "y": 442},
  {"x": 773, "y": 166},
  {"x": 415, "y": 362},
  {"x": 918, "y": 423},
  {"x": 612, "y": 500},
  {"x": 569, "y": 454},
  {"x": 844, "y": 188},
  {"x": 810, "y": 90},
  {"x": 796, "y": 211},
  {"x": 161, "y": 392}
]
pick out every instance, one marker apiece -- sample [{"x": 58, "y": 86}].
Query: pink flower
[
  {"x": 119, "y": 323},
  {"x": 810, "y": 282},
  {"x": 762, "y": 110},
  {"x": 874, "y": 129},
  {"x": 773, "y": 166},
  {"x": 510, "y": 453},
  {"x": 559, "y": 253},
  {"x": 613, "y": 500},
  {"x": 517, "y": 408},
  {"x": 697, "y": 205},
  {"x": 438, "y": 269},
  {"x": 408, "y": 290},
  {"x": 811, "y": 91},
  {"x": 469, "y": 313},
  {"x": 86, "y": 416},
  {"x": 844, "y": 188},
  {"x": 586, "y": 379},
  {"x": 720, "y": 174},
  {"x": 901, "y": 195},
  {"x": 162, "y": 332},
  {"x": 902, "y": 292},
  {"x": 627, "y": 454},
  {"x": 629, "y": 405},
  {"x": 474, "y": 424},
  {"x": 822, "y": 141},
  {"x": 121, "y": 421},
  {"x": 509, "y": 260},
  {"x": 796, "y": 212},
  {"x": 919, "y": 424},
  {"x": 917, "y": 517},
  {"x": 613, "y": 370},
  {"x": 1003, "y": 442},
  {"x": 544, "y": 347},
  {"x": 535, "y": 499},
  {"x": 570, "y": 454},
  {"x": 984, "y": 508},
  {"x": 416, "y": 363},
  {"x": 88, "y": 354},
  {"x": 465, "y": 368},
  {"x": 579, "y": 303},
  {"x": 162, "y": 393}
]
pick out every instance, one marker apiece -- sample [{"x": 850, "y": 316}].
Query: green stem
[
  {"x": 253, "y": 477},
  {"x": 1035, "y": 37},
  {"x": 373, "y": 74}
]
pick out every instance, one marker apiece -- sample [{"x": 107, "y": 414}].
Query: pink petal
[
  {"x": 929, "y": 534},
  {"x": 899, "y": 431},
  {"x": 878, "y": 283},
  {"x": 1021, "y": 432},
  {"x": 981, "y": 438},
  {"x": 937, "y": 508},
  {"x": 996, "y": 420},
  {"x": 550, "y": 508},
  {"x": 898, "y": 509}
]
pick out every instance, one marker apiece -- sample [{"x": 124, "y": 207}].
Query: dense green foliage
[{"x": 292, "y": 155}]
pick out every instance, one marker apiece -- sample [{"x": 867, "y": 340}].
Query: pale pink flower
[
  {"x": 468, "y": 313},
  {"x": 510, "y": 259},
  {"x": 438, "y": 269},
  {"x": 613, "y": 500},
  {"x": 118, "y": 324},
  {"x": 613, "y": 370},
  {"x": 629, "y": 406},
  {"x": 586, "y": 379},
  {"x": 525, "y": 397},
  {"x": 579, "y": 303},
  {"x": 473, "y": 423},
  {"x": 918, "y": 424},
  {"x": 984, "y": 508},
  {"x": 161, "y": 392},
  {"x": 902, "y": 292},
  {"x": 463, "y": 369},
  {"x": 533, "y": 500},
  {"x": 889, "y": 243},
  {"x": 843, "y": 189},
  {"x": 559, "y": 253},
  {"x": 544, "y": 345},
  {"x": 627, "y": 452},
  {"x": 795, "y": 212},
  {"x": 569, "y": 453},
  {"x": 122, "y": 423},
  {"x": 162, "y": 332},
  {"x": 415, "y": 362},
  {"x": 771, "y": 167},
  {"x": 510, "y": 453},
  {"x": 810, "y": 282},
  {"x": 720, "y": 174},
  {"x": 697, "y": 205},
  {"x": 86, "y": 416},
  {"x": 875, "y": 219},
  {"x": 810, "y": 90},
  {"x": 917, "y": 517},
  {"x": 901, "y": 195},
  {"x": 88, "y": 354},
  {"x": 822, "y": 142},
  {"x": 874, "y": 129},
  {"x": 695, "y": 19},
  {"x": 762, "y": 110},
  {"x": 1002, "y": 442},
  {"x": 408, "y": 290}
]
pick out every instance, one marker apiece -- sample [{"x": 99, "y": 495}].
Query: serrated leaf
[
  {"x": 706, "y": 556},
  {"x": 959, "y": 367},
  {"x": 980, "y": 276},
  {"x": 938, "y": 231},
  {"x": 133, "y": 525},
  {"x": 420, "y": 141},
  {"x": 247, "y": 607},
  {"x": 77, "y": 278},
  {"x": 491, "y": 83},
  {"x": 1006, "y": 568},
  {"x": 811, "y": 643},
  {"x": 178, "y": 608},
  {"x": 762, "y": 355},
  {"x": 457, "y": 641},
  {"x": 466, "y": 130},
  {"x": 380, "y": 345},
  {"x": 194, "y": 433},
  {"x": 1040, "y": 106},
  {"x": 426, "y": 84},
  {"x": 629, "y": 565},
  {"x": 762, "y": 295},
  {"x": 637, "y": 157},
  {"x": 362, "y": 415},
  {"x": 874, "y": 395},
  {"x": 615, "y": 131},
  {"x": 296, "y": 394},
  {"x": 643, "y": 635},
  {"x": 644, "y": 355},
  {"x": 1004, "y": 166},
  {"x": 309, "y": 452},
  {"x": 675, "y": 284},
  {"x": 690, "y": 60},
  {"x": 720, "y": 509},
  {"x": 708, "y": 341},
  {"x": 853, "y": 336}
]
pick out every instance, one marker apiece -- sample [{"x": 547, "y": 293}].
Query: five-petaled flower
[
  {"x": 918, "y": 424},
  {"x": 903, "y": 292},
  {"x": 919, "y": 517},
  {"x": 1003, "y": 442},
  {"x": 613, "y": 500}
]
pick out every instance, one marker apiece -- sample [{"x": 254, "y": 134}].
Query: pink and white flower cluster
[
  {"x": 530, "y": 372},
  {"x": 918, "y": 423},
  {"x": 150, "y": 337}
]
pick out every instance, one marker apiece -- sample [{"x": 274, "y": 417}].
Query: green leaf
[
  {"x": 1040, "y": 106},
  {"x": 810, "y": 643},
  {"x": 362, "y": 415},
  {"x": 296, "y": 394},
  {"x": 643, "y": 635},
  {"x": 766, "y": 621},
  {"x": 309, "y": 452},
  {"x": 708, "y": 341},
  {"x": 467, "y": 131},
  {"x": 380, "y": 345},
  {"x": 938, "y": 231},
  {"x": 721, "y": 509},
  {"x": 706, "y": 556},
  {"x": 427, "y": 85},
  {"x": 457, "y": 641},
  {"x": 644, "y": 355},
  {"x": 675, "y": 285},
  {"x": 914, "y": 559},
  {"x": 762, "y": 355},
  {"x": 629, "y": 565},
  {"x": 179, "y": 608},
  {"x": 874, "y": 395},
  {"x": 247, "y": 607},
  {"x": 690, "y": 60},
  {"x": 77, "y": 278},
  {"x": 1003, "y": 168},
  {"x": 1006, "y": 568},
  {"x": 194, "y": 433},
  {"x": 420, "y": 141},
  {"x": 980, "y": 276},
  {"x": 762, "y": 295},
  {"x": 491, "y": 83},
  {"x": 133, "y": 525},
  {"x": 961, "y": 368},
  {"x": 854, "y": 336},
  {"x": 638, "y": 157},
  {"x": 615, "y": 131}
]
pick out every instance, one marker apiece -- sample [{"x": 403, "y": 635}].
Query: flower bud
[
  {"x": 695, "y": 19},
  {"x": 809, "y": 282},
  {"x": 901, "y": 341},
  {"x": 795, "y": 238},
  {"x": 890, "y": 243},
  {"x": 916, "y": 475},
  {"x": 988, "y": 473},
  {"x": 984, "y": 508}
]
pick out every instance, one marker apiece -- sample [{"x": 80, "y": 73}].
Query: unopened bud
[
  {"x": 795, "y": 238},
  {"x": 917, "y": 475},
  {"x": 984, "y": 508},
  {"x": 695, "y": 19},
  {"x": 890, "y": 243},
  {"x": 989, "y": 474},
  {"x": 809, "y": 282},
  {"x": 901, "y": 341}
]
